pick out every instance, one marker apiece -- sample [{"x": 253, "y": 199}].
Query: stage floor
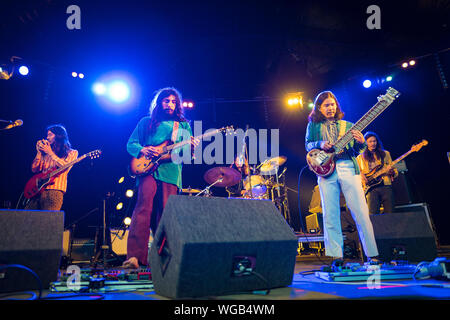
[{"x": 305, "y": 286}]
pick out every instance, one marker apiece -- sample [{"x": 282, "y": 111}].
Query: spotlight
[
  {"x": 119, "y": 206},
  {"x": 188, "y": 104},
  {"x": 295, "y": 99},
  {"x": 127, "y": 221},
  {"x": 389, "y": 78},
  {"x": 121, "y": 179},
  {"x": 367, "y": 84},
  {"x": 99, "y": 88},
  {"x": 129, "y": 193},
  {"x": 23, "y": 70},
  {"x": 81, "y": 75},
  {"x": 405, "y": 65},
  {"x": 74, "y": 74},
  {"x": 412, "y": 62},
  {"x": 119, "y": 91},
  {"x": 311, "y": 105}
]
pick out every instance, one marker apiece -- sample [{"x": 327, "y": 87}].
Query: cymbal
[
  {"x": 190, "y": 190},
  {"x": 272, "y": 163},
  {"x": 229, "y": 176}
]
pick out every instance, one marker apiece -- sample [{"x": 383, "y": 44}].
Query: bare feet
[{"x": 131, "y": 263}]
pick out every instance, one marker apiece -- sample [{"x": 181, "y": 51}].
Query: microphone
[{"x": 16, "y": 123}]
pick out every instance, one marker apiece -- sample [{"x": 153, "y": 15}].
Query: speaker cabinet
[
  {"x": 33, "y": 239},
  {"x": 404, "y": 236},
  {"x": 216, "y": 246}
]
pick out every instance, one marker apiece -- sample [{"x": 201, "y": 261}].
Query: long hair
[
  {"x": 156, "y": 110},
  {"x": 61, "y": 146},
  {"x": 379, "y": 150},
  {"x": 316, "y": 115}
]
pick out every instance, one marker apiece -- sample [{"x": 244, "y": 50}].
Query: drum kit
[{"x": 263, "y": 183}]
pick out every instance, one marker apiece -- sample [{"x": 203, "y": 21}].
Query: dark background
[{"x": 233, "y": 53}]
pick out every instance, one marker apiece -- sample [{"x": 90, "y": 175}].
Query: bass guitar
[
  {"x": 374, "y": 177},
  {"x": 146, "y": 165},
  {"x": 322, "y": 162},
  {"x": 40, "y": 180}
]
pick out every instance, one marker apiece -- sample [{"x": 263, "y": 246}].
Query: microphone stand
[{"x": 206, "y": 190}]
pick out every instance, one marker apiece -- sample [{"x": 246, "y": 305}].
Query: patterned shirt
[{"x": 46, "y": 163}]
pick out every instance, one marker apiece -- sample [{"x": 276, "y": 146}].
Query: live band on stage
[{"x": 345, "y": 162}]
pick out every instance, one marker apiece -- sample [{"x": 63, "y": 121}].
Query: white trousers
[{"x": 344, "y": 178}]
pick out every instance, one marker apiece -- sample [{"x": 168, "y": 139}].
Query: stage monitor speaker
[
  {"x": 217, "y": 246},
  {"x": 404, "y": 236},
  {"x": 33, "y": 239}
]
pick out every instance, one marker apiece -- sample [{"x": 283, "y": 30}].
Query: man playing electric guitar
[
  {"x": 165, "y": 122},
  {"x": 53, "y": 152},
  {"x": 378, "y": 192}
]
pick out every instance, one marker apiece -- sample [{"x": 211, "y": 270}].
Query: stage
[{"x": 305, "y": 286}]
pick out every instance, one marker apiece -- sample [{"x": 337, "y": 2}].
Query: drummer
[{"x": 242, "y": 166}]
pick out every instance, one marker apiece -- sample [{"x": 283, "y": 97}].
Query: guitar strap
[
  {"x": 175, "y": 131},
  {"x": 342, "y": 128}
]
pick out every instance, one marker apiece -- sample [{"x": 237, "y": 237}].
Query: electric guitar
[
  {"x": 146, "y": 165},
  {"x": 40, "y": 180},
  {"x": 322, "y": 162},
  {"x": 374, "y": 177}
]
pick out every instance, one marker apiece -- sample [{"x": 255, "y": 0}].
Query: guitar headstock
[
  {"x": 228, "y": 130},
  {"x": 94, "y": 154},
  {"x": 392, "y": 93},
  {"x": 419, "y": 146}
]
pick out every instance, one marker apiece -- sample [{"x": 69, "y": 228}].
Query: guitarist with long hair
[
  {"x": 53, "y": 152},
  {"x": 164, "y": 122},
  {"x": 324, "y": 128},
  {"x": 375, "y": 156}
]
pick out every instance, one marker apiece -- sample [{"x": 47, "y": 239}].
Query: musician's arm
[
  {"x": 134, "y": 146},
  {"x": 36, "y": 165},
  {"x": 310, "y": 142},
  {"x": 388, "y": 161},
  {"x": 73, "y": 154},
  {"x": 363, "y": 168}
]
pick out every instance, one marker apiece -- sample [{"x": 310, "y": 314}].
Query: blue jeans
[{"x": 344, "y": 178}]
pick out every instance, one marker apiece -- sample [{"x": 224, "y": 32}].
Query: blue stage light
[
  {"x": 118, "y": 91},
  {"x": 23, "y": 70},
  {"x": 367, "y": 83}
]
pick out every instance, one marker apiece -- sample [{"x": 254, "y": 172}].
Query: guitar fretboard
[{"x": 365, "y": 120}]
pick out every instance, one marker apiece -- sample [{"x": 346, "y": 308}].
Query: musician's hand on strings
[
  {"x": 195, "y": 142},
  {"x": 150, "y": 151},
  {"x": 358, "y": 136},
  {"x": 325, "y": 145}
]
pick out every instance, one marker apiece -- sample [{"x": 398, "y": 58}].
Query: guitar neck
[
  {"x": 182, "y": 143},
  {"x": 384, "y": 170},
  {"x": 365, "y": 120},
  {"x": 64, "y": 167}
]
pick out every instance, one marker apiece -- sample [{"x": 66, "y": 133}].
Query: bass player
[
  {"x": 372, "y": 157},
  {"x": 324, "y": 128}
]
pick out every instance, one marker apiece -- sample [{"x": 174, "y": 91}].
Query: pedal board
[
  {"x": 357, "y": 272},
  {"x": 102, "y": 280}
]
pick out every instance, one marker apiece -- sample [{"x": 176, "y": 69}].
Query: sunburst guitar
[
  {"x": 375, "y": 176},
  {"x": 144, "y": 165}
]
